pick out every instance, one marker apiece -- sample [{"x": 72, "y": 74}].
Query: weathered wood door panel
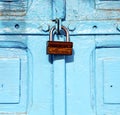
[{"x": 85, "y": 83}]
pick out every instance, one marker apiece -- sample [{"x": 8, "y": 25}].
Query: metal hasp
[
  {"x": 59, "y": 9},
  {"x": 59, "y": 47}
]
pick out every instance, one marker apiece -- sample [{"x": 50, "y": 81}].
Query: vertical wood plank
[{"x": 59, "y": 85}]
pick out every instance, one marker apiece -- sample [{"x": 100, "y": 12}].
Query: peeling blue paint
[{"x": 85, "y": 83}]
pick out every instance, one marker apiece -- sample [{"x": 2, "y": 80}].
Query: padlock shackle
[
  {"x": 63, "y": 28},
  {"x": 51, "y": 33}
]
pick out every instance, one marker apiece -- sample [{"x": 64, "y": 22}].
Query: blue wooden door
[{"x": 85, "y": 83}]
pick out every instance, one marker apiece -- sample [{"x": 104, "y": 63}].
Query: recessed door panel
[
  {"x": 9, "y": 80},
  {"x": 107, "y": 80},
  {"x": 14, "y": 79},
  {"x": 111, "y": 80}
]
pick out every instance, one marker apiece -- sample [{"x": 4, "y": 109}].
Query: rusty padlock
[{"x": 59, "y": 47}]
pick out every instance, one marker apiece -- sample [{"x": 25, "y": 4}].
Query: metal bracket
[
  {"x": 59, "y": 9},
  {"x": 58, "y": 26}
]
